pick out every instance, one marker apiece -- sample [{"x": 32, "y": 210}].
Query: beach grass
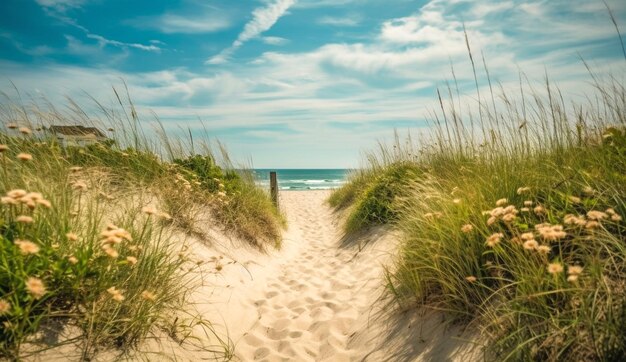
[
  {"x": 514, "y": 223},
  {"x": 90, "y": 235},
  {"x": 373, "y": 196}
]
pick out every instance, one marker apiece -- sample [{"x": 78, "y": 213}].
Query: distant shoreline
[{"x": 303, "y": 179}]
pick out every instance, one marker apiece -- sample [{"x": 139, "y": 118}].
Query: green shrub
[
  {"x": 378, "y": 204},
  {"x": 206, "y": 171},
  {"x": 346, "y": 195}
]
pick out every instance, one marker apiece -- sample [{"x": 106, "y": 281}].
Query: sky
[{"x": 299, "y": 83}]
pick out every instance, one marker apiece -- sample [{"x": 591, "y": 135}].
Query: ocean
[{"x": 305, "y": 179}]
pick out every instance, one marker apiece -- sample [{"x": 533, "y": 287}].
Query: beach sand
[
  {"x": 319, "y": 298},
  {"x": 308, "y": 307},
  {"x": 300, "y": 303}
]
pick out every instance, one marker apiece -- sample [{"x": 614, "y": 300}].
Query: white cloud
[
  {"x": 432, "y": 28},
  {"x": 36, "y": 51},
  {"x": 222, "y": 57},
  {"x": 77, "y": 47},
  {"x": 483, "y": 9},
  {"x": 60, "y": 5},
  {"x": 39, "y": 50},
  {"x": 170, "y": 23},
  {"x": 551, "y": 26},
  {"x": 104, "y": 41},
  {"x": 263, "y": 19},
  {"x": 94, "y": 53},
  {"x": 413, "y": 30},
  {"x": 352, "y": 20},
  {"x": 533, "y": 9},
  {"x": 367, "y": 60},
  {"x": 419, "y": 46},
  {"x": 274, "y": 40}
]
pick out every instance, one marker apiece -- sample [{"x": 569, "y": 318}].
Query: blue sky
[{"x": 298, "y": 83}]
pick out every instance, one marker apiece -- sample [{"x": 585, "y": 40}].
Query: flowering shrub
[{"x": 60, "y": 259}]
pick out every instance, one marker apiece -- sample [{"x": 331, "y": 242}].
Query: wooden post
[{"x": 274, "y": 188}]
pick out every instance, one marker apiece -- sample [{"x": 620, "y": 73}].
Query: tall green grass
[
  {"x": 514, "y": 223},
  {"x": 87, "y": 233},
  {"x": 371, "y": 196}
]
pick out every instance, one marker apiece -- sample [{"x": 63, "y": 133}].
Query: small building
[{"x": 77, "y": 135}]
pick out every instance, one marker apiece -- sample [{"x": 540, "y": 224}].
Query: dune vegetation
[
  {"x": 511, "y": 220},
  {"x": 88, "y": 234}
]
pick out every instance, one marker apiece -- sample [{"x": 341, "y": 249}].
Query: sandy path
[
  {"x": 317, "y": 299},
  {"x": 307, "y": 310}
]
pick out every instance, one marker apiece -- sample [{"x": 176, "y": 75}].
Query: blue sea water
[{"x": 304, "y": 179}]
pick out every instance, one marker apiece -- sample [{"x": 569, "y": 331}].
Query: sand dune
[{"x": 317, "y": 299}]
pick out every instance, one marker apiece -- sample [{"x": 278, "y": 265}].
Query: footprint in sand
[
  {"x": 299, "y": 310},
  {"x": 281, "y": 313},
  {"x": 322, "y": 313},
  {"x": 288, "y": 281},
  {"x": 282, "y": 323},
  {"x": 253, "y": 340},
  {"x": 261, "y": 353},
  {"x": 285, "y": 347},
  {"x": 295, "y": 334},
  {"x": 310, "y": 352},
  {"x": 276, "y": 334},
  {"x": 332, "y": 306},
  {"x": 300, "y": 287}
]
